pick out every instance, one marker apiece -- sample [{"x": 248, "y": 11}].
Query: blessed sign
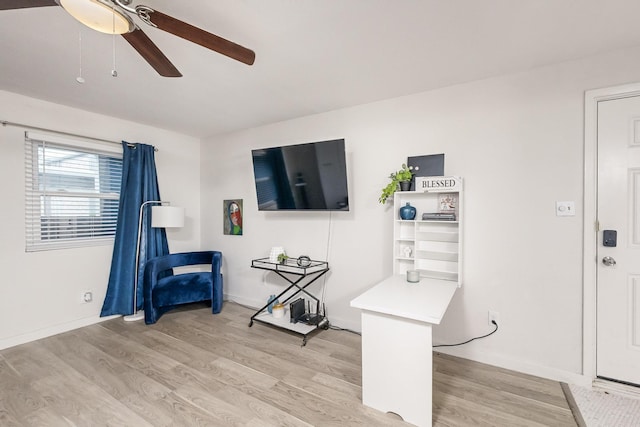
[{"x": 438, "y": 183}]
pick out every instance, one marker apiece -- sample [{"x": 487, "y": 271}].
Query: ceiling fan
[{"x": 113, "y": 17}]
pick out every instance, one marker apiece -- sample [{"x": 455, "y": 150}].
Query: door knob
[{"x": 608, "y": 261}]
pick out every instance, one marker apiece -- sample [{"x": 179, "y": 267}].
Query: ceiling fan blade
[
  {"x": 22, "y": 4},
  {"x": 199, "y": 36},
  {"x": 150, "y": 52}
]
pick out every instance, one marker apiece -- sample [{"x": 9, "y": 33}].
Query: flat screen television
[{"x": 310, "y": 176}]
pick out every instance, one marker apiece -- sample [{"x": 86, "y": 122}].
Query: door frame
[{"x": 590, "y": 248}]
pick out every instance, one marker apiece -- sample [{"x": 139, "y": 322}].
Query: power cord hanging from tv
[
  {"x": 468, "y": 341},
  {"x": 326, "y": 257}
]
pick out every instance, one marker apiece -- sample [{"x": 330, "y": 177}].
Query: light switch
[{"x": 565, "y": 208}]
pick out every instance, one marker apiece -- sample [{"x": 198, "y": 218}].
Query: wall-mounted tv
[{"x": 310, "y": 176}]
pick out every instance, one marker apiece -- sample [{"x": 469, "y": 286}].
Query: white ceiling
[{"x": 311, "y": 55}]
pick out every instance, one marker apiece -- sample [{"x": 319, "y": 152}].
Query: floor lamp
[{"x": 162, "y": 216}]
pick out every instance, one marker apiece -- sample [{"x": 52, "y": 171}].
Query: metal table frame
[{"x": 299, "y": 279}]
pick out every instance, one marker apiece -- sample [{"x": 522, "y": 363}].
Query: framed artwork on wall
[{"x": 232, "y": 217}]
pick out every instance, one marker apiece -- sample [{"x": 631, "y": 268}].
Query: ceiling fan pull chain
[
  {"x": 114, "y": 72},
  {"x": 80, "y": 79}
]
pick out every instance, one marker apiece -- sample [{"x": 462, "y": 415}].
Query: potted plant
[
  {"x": 399, "y": 180},
  {"x": 282, "y": 258}
]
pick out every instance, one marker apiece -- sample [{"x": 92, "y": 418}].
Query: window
[{"x": 72, "y": 192}]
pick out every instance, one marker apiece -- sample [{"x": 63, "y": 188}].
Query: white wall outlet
[
  {"x": 494, "y": 316},
  {"x": 565, "y": 208},
  {"x": 86, "y": 297}
]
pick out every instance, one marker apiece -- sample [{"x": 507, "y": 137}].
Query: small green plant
[
  {"x": 282, "y": 258},
  {"x": 403, "y": 175}
]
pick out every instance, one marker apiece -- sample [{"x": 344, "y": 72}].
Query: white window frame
[{"x": 68, "y": 230}]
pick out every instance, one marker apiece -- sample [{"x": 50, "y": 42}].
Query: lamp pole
[{"x": 139, "y": 315}]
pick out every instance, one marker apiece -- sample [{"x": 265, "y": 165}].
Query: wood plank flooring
[{"x": 196, "y": 369}]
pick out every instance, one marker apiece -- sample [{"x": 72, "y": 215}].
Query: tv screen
[{"x": 310, "y": 176}]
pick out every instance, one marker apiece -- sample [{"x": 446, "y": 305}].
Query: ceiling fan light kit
[
  {"x": 100, "y": 15},
  {"x": 114, "y": 17}
]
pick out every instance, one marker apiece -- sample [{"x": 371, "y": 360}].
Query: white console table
[{"x": 397, "y": 346}]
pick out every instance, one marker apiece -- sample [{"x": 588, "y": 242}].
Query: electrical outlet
[
  {"x": 494, "y": 316},
  {"x": 86, "y": 297}
]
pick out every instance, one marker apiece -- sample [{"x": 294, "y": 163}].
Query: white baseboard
[
  {"x": 345, "y": 324},
  {"x": 247, "y": 302},
  {"x": 52, "y": 330},
  {"x": 518, "y": 365}
]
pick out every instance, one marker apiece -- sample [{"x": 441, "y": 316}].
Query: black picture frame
[{"x": 429, "y": 165}]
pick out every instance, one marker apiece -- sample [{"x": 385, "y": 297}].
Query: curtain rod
[{"x": 7, "y": 123}]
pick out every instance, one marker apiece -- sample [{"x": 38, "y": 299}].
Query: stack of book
[{"x": 439, "y": 216}]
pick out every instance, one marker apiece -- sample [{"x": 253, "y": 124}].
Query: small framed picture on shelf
[{"x": 447, "y": 202}]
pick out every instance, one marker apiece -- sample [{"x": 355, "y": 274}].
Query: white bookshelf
[{"x": 435, "y": 245}]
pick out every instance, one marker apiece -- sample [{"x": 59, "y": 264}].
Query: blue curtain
[{"x": 139, "y": 184}]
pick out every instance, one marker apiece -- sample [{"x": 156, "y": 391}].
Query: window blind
[{"x": 72, "y": 192}]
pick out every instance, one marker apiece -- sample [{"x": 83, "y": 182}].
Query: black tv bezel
[{"x": 346, "y": 181}]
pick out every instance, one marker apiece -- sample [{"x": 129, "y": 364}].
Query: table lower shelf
[{"x": 285, "y": 323}]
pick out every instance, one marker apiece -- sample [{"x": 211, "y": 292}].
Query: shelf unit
[
  {"x": 432, "y": 247},
  {"x": 299, "y": 278}
]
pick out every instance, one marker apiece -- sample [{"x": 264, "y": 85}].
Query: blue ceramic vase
[
  {"x": 271, "y": 301},
  {"x": 407, "y": 212}
]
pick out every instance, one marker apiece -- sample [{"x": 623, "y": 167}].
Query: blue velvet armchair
[{"x": 164, "y": 290}]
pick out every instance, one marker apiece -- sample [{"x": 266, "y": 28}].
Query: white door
[{"x": 618, "y": 271}]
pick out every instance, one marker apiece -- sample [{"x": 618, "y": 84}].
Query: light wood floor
[{"x": 193, "y": 368}]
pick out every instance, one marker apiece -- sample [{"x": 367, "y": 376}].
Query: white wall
[
  {"x": 517, "y": 141},
  {"x": 40, "y": 291}
]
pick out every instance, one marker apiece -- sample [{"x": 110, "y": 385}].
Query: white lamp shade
[{"x": 167, "y": 217}]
